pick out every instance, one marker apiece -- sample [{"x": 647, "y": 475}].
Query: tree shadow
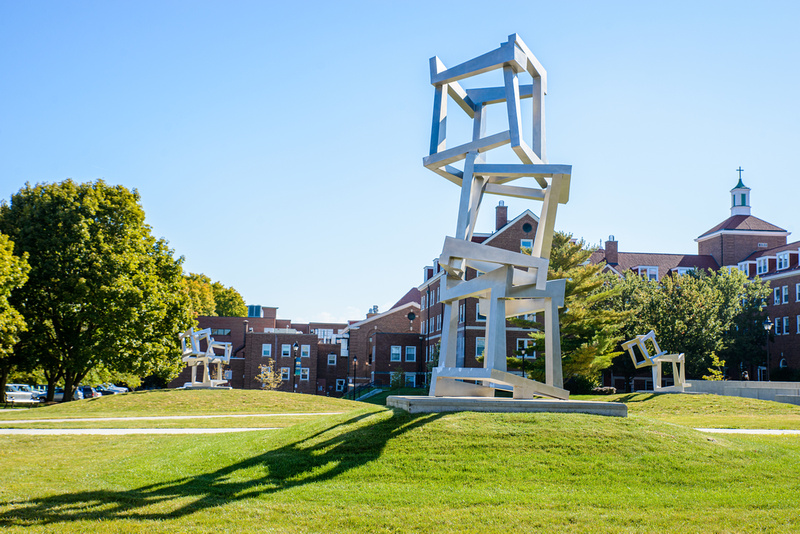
[
  {"x": 629, "y": 398},
  {"x": 315, "y": 458}
]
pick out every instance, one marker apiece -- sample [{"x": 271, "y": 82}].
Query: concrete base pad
[
  {"x": 419, "y": 404},
  {"x": 189, "y": 386}
]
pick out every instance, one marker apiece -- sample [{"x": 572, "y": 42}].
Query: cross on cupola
[{"x": 740, "y": 197}]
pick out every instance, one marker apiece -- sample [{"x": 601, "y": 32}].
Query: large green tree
[
  {"x": 228, "y": 301},
  {"x": 213, "y": 299},
  {"x": 102, "y": 290},
  {"x": 13, "y": 274},
  {"x": 590, "y": 330},
  {"x": 695, "y": 313}
]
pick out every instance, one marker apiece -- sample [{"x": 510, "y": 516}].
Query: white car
[
  {"x": 115, "y": 389},
  {"x": 21, "y": 394}
]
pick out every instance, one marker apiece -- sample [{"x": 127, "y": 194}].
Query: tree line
[
  {"x": 704, "y": 314},
  {"x": 87, "y": 290}
]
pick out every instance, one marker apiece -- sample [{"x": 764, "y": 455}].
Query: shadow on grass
[
  {"x": 312, "y": 459},
  {"x": 636, "y": 397}
]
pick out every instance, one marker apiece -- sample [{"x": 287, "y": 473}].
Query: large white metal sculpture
[
  {"x": 514, "y": 283},
  {"x": 653, "y": 357},
  {"x": 193, "y": 356}
]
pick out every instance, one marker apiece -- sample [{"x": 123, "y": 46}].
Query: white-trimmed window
[
  {"x": 684, "y": 270},
  {"x": 439, "y": 322},
  {"x": 304, "y": 373},
  {"x": 228, "y": 374},
  {"x": 340, "y": 384},
  {"x": 220, "y": 331},
  {"x": 524, "y": 343},
  {"x": 762, "y": 265},
  {"x": 526, "y": 244},
  {"x": 411, "y": 354},
  {"x": 783, "y": 260},
  {"x": 778, "y": 326},
  {"x": 411, "y": 380},
  {"x": 437, "y": 294},
  {"x": 798, "y": 324},
  {"x": 763, "y": 245},
  {"x": 797, "y": 292},
  {"x": 785, "y": 292},
  {"x": 286, "y": 350},
  {"x": 285, "y": 373},
  {"x": 776, "y": 296},
  {"x": 332, "y": 358},
  {"x": 396, "y": 354},
  {"x": 424, "y": 327},
  {"x": 480, "y": 346},
  {"x": 422, "y": 302},
  {"x": 266, "y": 350},
  {"x": 785, "y": 325},
  {"x": 478, "y": 316},
  {"x": 305, "y": 351},
  {"x": 649, "y": 272},
  {"x": 462, "y": 307}
]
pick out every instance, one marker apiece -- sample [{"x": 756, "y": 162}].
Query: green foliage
[
  {"x": 13, "y": 274},
  {"x": 201, "y": 296},
  {"x": 590, "y": 331},
  {"x": 102, "y": 290},
  {"x": 228, "y": 302},
  {"x": 717, "y": 369},
  {"x": 693, "y": 313},
  {"x": 396, "y": 378},
  {"x": 213, "y": 299}
]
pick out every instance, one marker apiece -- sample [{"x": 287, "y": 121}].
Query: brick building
[
  {"x": 744, "y": 242},
  {"x": 387, "y": 342}
]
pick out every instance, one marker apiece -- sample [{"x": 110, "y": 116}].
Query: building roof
[
  {"x": 627, "y": 261},
  {"x": 793, "y": 247},
  {"x": 743, "y": 223},
  {"x": 413, "y": 295}
]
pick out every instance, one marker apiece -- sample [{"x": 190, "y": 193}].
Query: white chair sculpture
[
  {"x": 514, "y": 283},
  {"x": 193, "y": 356},
  {"x": 654, "y": 359}
]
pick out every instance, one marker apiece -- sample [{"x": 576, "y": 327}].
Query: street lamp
[
  {"x": 355, "y": 361},
  {"x": 295, "y": 370},
  {"x": 767, "y": 328}
]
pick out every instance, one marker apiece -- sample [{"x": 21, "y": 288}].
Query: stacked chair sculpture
[
  {"x": 514, "y": 283},
  {"x": 193, "y": 356},
  {"x": 653, "y": 357}
]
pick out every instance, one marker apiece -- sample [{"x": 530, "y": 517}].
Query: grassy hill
[{"x": 376, "y": 470}]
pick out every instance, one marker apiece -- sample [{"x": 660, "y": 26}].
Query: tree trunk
[
  {"x": 69, "y": 387},
  {"x": 4, "y": 372}
]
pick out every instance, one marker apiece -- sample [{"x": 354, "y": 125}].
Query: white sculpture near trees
[
  {"x": 653, "y": 357},
  {"x": 193, "y": 356},
  {"x": 514, "y": 283}
]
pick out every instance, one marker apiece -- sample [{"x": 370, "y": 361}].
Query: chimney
[
  {"x": 612, "y": 251},
  {"x": 500, "y": 215}
]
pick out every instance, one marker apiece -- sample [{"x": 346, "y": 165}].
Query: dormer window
[
  {"x": 526, "y": 245},
  {"x": 649, "y": 272},
  {"x": 762, "y": 265},
  {"x": 783, "y": 260}
]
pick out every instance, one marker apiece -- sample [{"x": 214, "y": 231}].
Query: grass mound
[
  {"x": 185, "y": 402},
  {"x": 377, "y": 470},
  {"x": 712, "y": 411}
]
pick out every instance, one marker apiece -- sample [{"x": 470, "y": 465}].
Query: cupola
[{"x": 740, "y": 197}]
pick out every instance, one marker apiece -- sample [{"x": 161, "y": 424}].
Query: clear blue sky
[{"x": 278, "y": 147}]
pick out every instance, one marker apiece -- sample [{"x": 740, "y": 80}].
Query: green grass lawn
[{"x": 376, "y": 470}]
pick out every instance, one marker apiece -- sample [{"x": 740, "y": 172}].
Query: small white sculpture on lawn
[
  {"x": 514, "y": 283},
  {"x": 653, "y": 357},
  {"x": 194, "y": 356}
]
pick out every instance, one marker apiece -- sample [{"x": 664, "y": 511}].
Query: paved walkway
[
  {"x": 160, "y": 417},
  {"x": 121, "y": 431},
  {"x": 763, "y": 432},
  {"x": 126, "y": 431}
]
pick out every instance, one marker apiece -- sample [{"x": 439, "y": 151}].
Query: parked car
[
  {"x": 89, "y": 392},
  {"x": 117, "y": 389},
  {"x": 21, "y": 394},
  {"x": 59, "y": 394},
  {"x": 103, "y": 391}
]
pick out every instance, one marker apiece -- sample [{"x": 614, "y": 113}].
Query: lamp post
[
  {"x": 767, "y": 328},
  {"x": 294, "y": 370},
  {"x": 355, "y": 362}
]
